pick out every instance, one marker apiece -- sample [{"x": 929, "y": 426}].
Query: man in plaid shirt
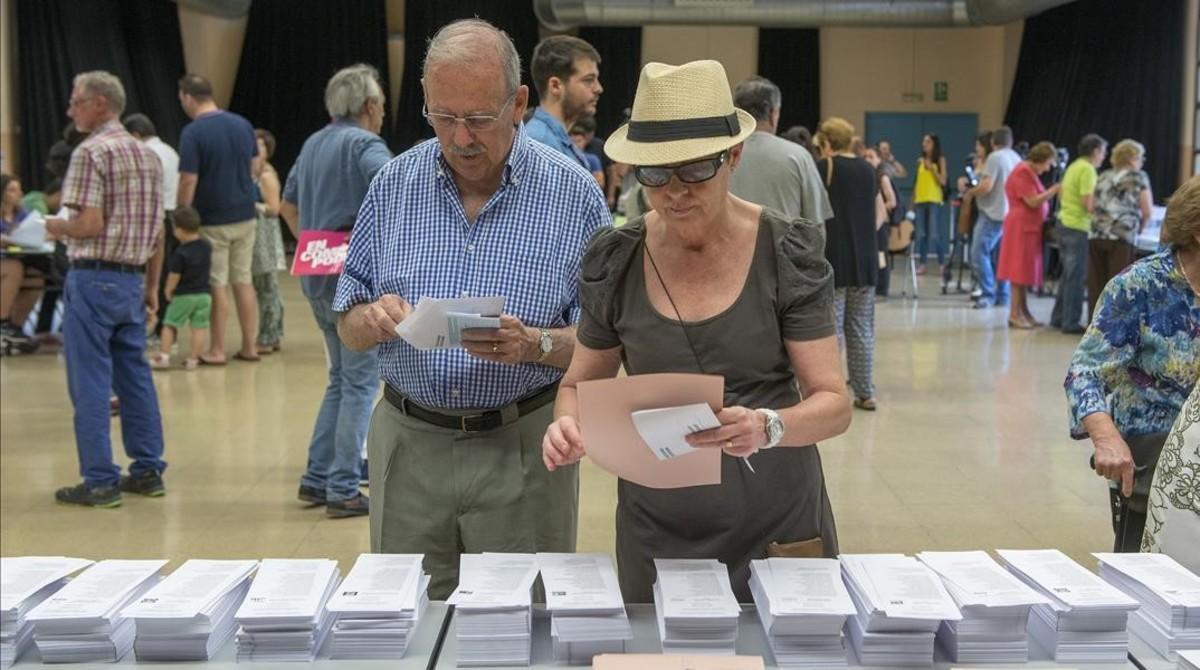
[{"x": 113, "y": 190}]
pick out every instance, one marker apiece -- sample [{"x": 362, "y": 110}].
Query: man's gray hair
[
  {"x": 106, "y": 85},
  {"x": 758, "y": 96},
  {"x": 350, "y": 89},
  {"x": 475, "y": 42}
]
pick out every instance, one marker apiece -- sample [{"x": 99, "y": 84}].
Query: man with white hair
[
  {"x": 482, "y": 210},
  {"x": 114, "y": 192},
  {"x": 323, "y": 192}
]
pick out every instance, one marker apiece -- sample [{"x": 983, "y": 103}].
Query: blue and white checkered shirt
[{"x": 412, "y": 239}]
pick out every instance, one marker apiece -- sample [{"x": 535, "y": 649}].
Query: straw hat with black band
[{"x": 680, "y": 113}]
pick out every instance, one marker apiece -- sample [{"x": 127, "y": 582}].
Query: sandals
[
  {"x": 867, "y": 404},
  {"x": 239, "y": 356},
  {"x": 160, "y": 361},
  {"x": 1021, "y": 324}
]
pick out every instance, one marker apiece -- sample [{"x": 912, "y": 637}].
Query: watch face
[{"x": 546, "y": 344}]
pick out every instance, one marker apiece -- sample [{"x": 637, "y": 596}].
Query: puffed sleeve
[
  {"x": 805, "y": 291},
  {"x": 601, "y": 273}
]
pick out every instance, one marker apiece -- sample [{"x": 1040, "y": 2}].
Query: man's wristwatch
[
  {"x": 774, "y": 428},
  {"x": 545, "y": 344}
]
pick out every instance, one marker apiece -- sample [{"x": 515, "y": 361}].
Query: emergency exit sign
[{"x": 941, "y": 91}]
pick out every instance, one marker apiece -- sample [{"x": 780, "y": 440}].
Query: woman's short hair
[
  {"x": 1182, "y": 223},
  {"x": 267, "y": 138},
  {"x": 1041, "y": 152},
  {"x": 838, "y": 133},
  {"x": 1126, "y": 152},
  {"x": 350, "y": 88}
]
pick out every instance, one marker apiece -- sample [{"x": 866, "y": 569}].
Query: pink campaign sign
[{"x": 320, "y": 252}]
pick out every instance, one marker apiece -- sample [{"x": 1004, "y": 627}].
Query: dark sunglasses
[{"x": 688, "y": 173}]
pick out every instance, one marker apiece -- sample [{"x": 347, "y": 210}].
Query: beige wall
[
  {"x": 8, "y": 86},
  {"x": 212, "y": 47},
  {"x": 1191, "y": 54},
  {"x": 735, "y": 46}
]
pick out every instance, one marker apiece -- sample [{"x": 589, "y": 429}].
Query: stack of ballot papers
[
  {"x": 802, "y": 604},
  {"x": 587, "y": 612},
  {"x": 1169, "y": 616},
  {"x": 1084, "y": 620},
  {"x": 994, "y": 604},
  {"x": 900, "y": 604},
  {"x": 283, "y": 617},
  {"x": 83, "y": 621},
  {"x": 1189, "y": 660},
  {"x": 494, "y": 613},
  {"x": 189, "y": 615},
  {"x": 378, "y": 606},
  {"x": 664, "y": 662},
  {"x": 697, "y": 611},
  {"x": 25, "y": 582}
]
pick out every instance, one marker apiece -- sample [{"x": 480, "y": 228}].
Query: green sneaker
[
  {"x": 148, "y": 483},
  {"x": 106, "y": 497}
]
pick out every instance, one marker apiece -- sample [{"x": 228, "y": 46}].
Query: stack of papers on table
[
  {"x": 587, "y": 612},
  {"x": 900, "y": 604},
  {"x": 189, "y": 615},
  {"x": 663, "y": 662},
  {"x": 1189, "y": 660},
  {"x": 83, "y": 621},
  {"x": 494, "y": 609},
  {"x": 1169, "y": 616},
  {"x": 378, "y": 606},
  {"x": 802, "y": 604},
  {"x": 283, "y": 617},
  {"x": 697, "y": 611},
  {"x": 994, "y": 604},
  {"x": 1084, "y": 621},
  {"x": 24, "y": 583}
]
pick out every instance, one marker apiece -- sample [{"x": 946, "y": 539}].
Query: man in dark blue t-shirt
[{"x": 215, "y": 153}]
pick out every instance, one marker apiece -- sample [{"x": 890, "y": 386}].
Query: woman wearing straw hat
[{"x": 707, "y": 282}]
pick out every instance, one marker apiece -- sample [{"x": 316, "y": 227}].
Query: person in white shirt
[{"x": 142, "y": 128}]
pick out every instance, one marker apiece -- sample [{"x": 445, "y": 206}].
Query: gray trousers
[
  {"x": 855, "y": 317},
  {"x": 442, "y": 492}
]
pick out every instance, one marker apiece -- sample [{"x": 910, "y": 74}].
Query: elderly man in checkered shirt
[
  {"x": 114, "y": 191},
  {"x": 483, "y": 210}
]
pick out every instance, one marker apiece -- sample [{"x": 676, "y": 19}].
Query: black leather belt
[
  {"x": 471, "y": 423},
  {"x": 87, "y": 264}
]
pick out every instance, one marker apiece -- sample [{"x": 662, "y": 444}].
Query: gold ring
[
  {"x": 728, "y": 444},
  {"x": 495, "y": 348}
]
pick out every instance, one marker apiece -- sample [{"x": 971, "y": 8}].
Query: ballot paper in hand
[
  {"x": 431, "y": 326},
  {"x": 30, "y": 234},
  {"x": 665, "y": 430}
]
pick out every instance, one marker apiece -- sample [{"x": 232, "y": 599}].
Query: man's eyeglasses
[
  {"x": 75, "y": 102},
  {"x": 688, "y": 173},
  {"x": 475, "y": 123}
]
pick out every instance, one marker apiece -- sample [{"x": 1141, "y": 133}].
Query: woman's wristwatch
[{"x": 774, "y": 428}]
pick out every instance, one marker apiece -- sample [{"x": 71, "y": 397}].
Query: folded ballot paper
[
  {"x": 1085, "y": 618},
  {"x": 378, "y": 606},
  {"x": 697, "y": 611},
  {"x": 437, "y": 323},
  {"x": 900, "y": 605},
  {"x": 283, "y": 617},
  {"x": 587, "y": 613},
  {"x": 802, "y": 604},
  {"x": 1169, "y": 594},
  {"x": 188, "y": 616},
  {"x": 994, "y": 604},
  {"x": 26, "y": 581},
  {"x": 84, "y": 621},
  {"x": 494, "y": 609}
]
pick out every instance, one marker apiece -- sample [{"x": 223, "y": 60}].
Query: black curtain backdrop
[
  {"x": 1112, "y": 67},
  {"x": 292, "y": 48},
  {"x": 423, "y": 19},
  {"x": 791, "y": 58},
  {"x": 620, "y": 52},
  {"x": 137, "y": 40}
]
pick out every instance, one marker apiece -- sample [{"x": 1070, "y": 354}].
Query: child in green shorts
[{"x": 187, "y": 289}]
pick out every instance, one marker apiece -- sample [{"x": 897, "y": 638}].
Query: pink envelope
[
  {"x": 611, "y": 440},
  {"x": 320, "y": 252}
]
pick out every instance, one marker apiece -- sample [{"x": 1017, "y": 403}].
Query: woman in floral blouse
[
  {"x": 1123, "y": 205},
  {"x": 1140, "y": 358}
]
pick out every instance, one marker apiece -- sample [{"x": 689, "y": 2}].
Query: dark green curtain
[
  {"x": 620, "y": 52},
  {"x": 791, "y": 58}
]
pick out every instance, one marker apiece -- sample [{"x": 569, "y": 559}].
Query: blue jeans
[
  {"x": 1068, "y": 305},
  {"x": 335, "y": 453},
  {"x": 985, "y": 242},
  {"x": 930, "y": 225},
  {"x": 104, "y": 343}
]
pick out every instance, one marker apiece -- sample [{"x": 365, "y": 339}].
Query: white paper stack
[
  {"x": 283, "y": 617},
  {"x": 494, "y": 609},
  {"x": 189, "y": 615},
  {"x": 378, "y": 606},
  {"x": 587, "y": 612},
  {"x": 1084, "y": 621},
  {"x": 697, "y": 611},
  {"x": 1189, "y": 660},
  {"x": 1169, "y": 616},
  {"x": 802, "y": 604},
  {"x": 994, "y": 604},
  {"x": 900, "y": 605},
  {"x": 83, "y": 622},
  {"x": 25, "y": 582}
]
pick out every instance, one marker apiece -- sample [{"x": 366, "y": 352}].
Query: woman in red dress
[{"x": 1021, "y": 246}]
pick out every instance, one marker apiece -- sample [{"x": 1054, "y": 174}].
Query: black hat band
[{"x": 684, "y": 129}]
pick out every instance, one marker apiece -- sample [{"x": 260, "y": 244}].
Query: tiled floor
[{"x": 968, "y": 450}]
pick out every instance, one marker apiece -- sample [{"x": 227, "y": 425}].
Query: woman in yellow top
[{"x": 928, "y": 200}]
